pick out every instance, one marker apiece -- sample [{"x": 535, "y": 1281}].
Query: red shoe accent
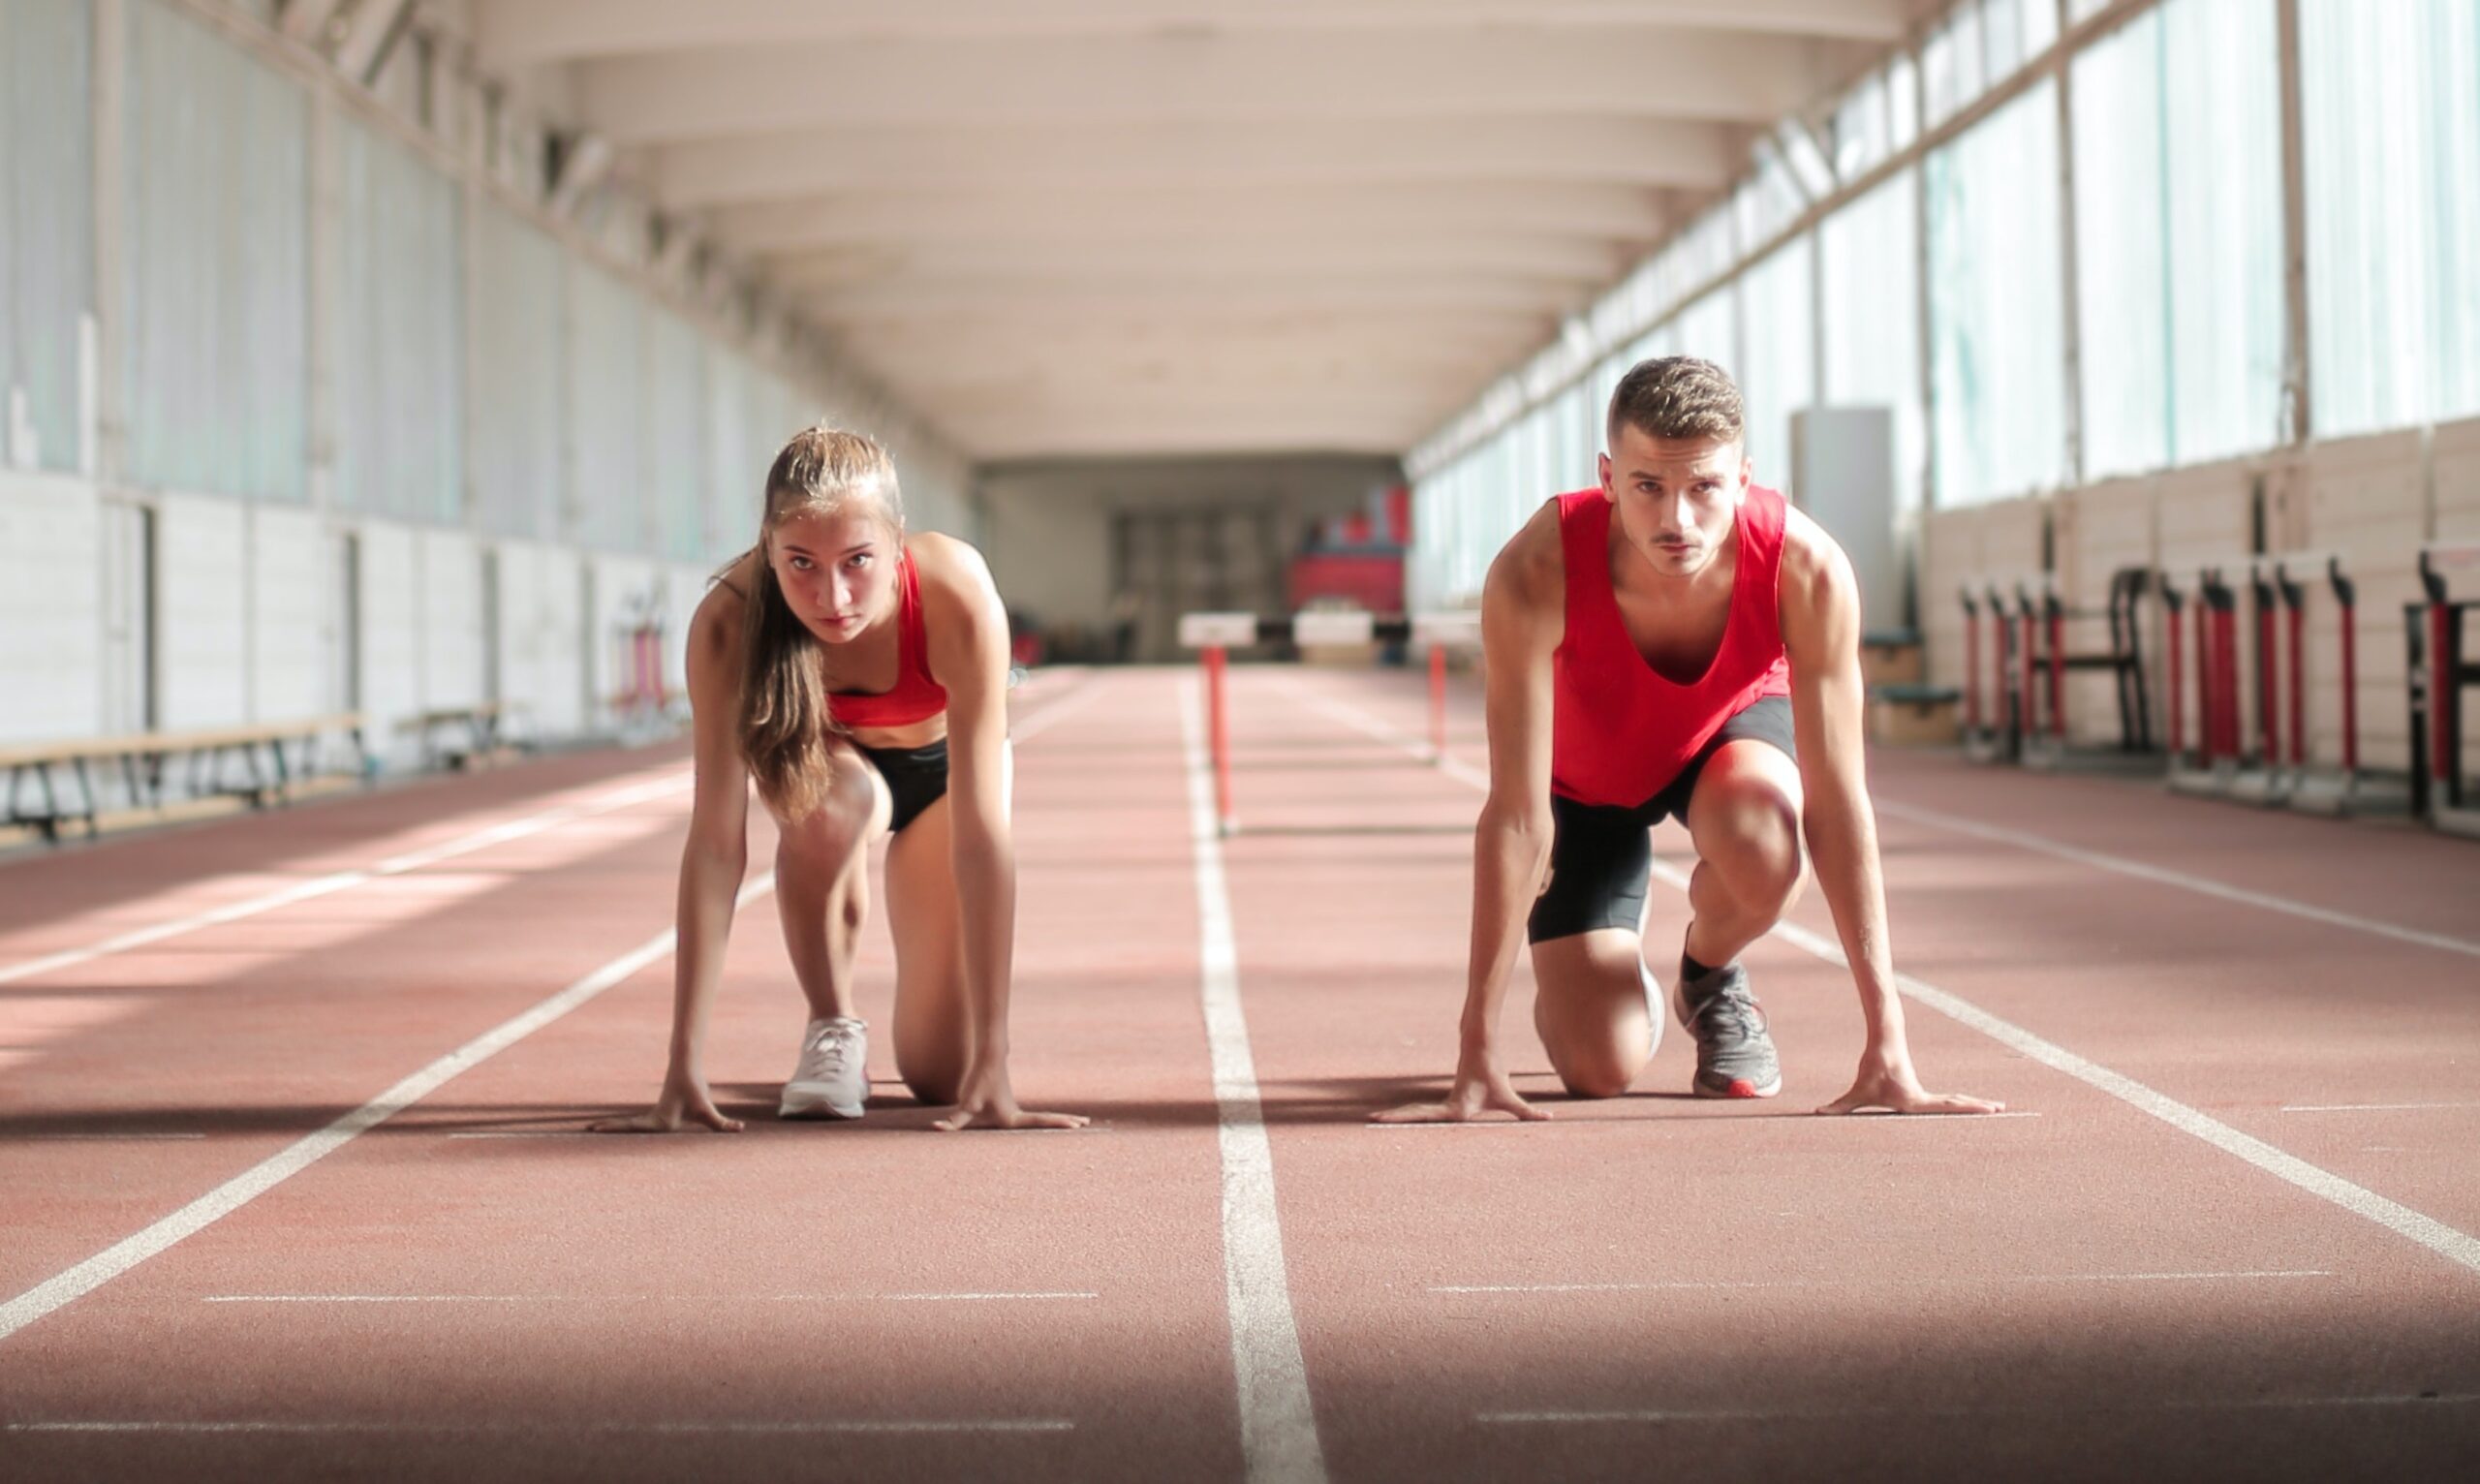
[{"x": 1740, "y": 1087}]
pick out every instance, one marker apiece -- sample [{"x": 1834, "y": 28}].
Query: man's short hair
[{"x": 1678, "y": 396}]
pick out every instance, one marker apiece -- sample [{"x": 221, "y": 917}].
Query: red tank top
[
  {"x": 1619, "y": 732},
  {"x": 914, "y": 697}
]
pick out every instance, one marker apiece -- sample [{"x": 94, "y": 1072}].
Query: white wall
[
  {"x": 290, "y": 590},
  {"x": 202, "y": 619},
  {"x": 51, "y": 642},
  {"x": 451, "y": 619}
]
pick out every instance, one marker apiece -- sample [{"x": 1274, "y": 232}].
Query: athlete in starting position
[
  {"x": 1676, "y": 642},
  {"x": 836, "y": 666}
]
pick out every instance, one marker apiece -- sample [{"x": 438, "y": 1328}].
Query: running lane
[
  {"x": 1745, "y": 1291},
  {"x": 474, "y": 1289}
]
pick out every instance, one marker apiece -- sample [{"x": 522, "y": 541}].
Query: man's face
[{"x": 1676, "y": 496}]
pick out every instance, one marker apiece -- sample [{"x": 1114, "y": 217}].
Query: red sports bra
[
  {"x": 1620, "y": 733},
  {"x": 916, "y": 696}
]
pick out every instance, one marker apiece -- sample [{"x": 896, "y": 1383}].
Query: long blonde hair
[{"x": 785, "y": 720}]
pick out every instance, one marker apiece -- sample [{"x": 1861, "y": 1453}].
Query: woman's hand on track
[
  {"x": 989, "y": 1102},
  {"x": 1896, "y": 1088},
  {"x": 684, "y": 1104}
]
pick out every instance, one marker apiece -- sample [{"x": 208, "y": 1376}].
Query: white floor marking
[
  {"x": 342, "y": 881},
  {"x": 2372, "y": 1107},
  {"x": 251, "y": 1183},
  {"x": 554, "y": 1427},
  {"x": 1278, "y": 1429},
  {"x": 1050, "y": 715},
  {"x": 624, "y": 1298},
  {"x": 1891, "y": 1283},
  {"x": 2452, "y": 1244},
  {"x": 1843, "y": 1414},
  {"x": 947, "y": 1298},
  {"x": 2167, "y": 877}
]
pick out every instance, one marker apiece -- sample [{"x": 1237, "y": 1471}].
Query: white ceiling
[{"x": 1161, "y": 227}]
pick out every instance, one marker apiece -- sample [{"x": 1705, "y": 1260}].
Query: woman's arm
[
  {"x": 712, "y": 863},
  {"x": 968, "y": 636}
]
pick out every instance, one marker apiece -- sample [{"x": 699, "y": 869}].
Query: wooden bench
[
  {"x": 270, "y": 772},
  {"x": 483, "y": 726}
]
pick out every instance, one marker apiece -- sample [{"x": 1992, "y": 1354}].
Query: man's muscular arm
[
  {"x": 1523, "y": 617},
  {"x": 1820, "y": 610}
]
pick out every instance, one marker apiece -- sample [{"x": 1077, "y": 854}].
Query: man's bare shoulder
[
  {"x": 1814, "y": 563},
  {"x": 1530, "y": 572}
]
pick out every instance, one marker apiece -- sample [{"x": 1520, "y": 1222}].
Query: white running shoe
[{"x": 833, "y": 1077}]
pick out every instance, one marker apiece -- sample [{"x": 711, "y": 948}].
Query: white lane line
[
  {"x": 1846, "y": 1413},
  {"x": 1687, "y": 1285},
  {"x": 251, "y": 1183},
  {"x": 343, "y": 880},
  {"x": 621, "y": 1298},
  {"x": 1589, "y": 1121},
  {"x": 554, "y": 1427},
  {"x": 953, "y": 1298},
  {"x": 2161, "y": 876},
  {"x": 1050, "y": 715},
  {"x": 1278, "y": 1429},
  {"x": 2372, "y": 1107},
  {"x": 2452, "y": 1244}
]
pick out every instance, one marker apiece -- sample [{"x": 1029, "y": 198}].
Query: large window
[
  {"x": 2391, "y": 115},
  {"x": 216, "y": 351},
  {"x": 46, "y": 224},
  {"x": 1778, "y": 375},
  {"x": 1870, "y": 303},
  {"x": 608, "y": 409},
  {"x": 397, "y": 338},
  {"x": 676, "y": 431},
  {"x": 518, "y": 370},
  {"x": 1996, "y": 343},
  {"x": 2178, "y": 232}
]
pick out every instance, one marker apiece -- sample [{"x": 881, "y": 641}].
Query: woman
[{"x": 840, "y": 667}]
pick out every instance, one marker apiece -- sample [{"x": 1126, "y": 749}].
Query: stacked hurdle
[
  {"x": 1998, "y": 668},
  {"x": 1214, "y": 635},
  {"x": 2015, "y": 701},
  {"x": 2440, "y": 674},
  {"x": 2266, "y": 599}
]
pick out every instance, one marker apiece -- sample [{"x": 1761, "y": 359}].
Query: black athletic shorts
[
  {"x": 916, "y": 777},
  {"x": 1601, "y": 855}
]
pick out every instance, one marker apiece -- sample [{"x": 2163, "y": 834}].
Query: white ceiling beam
[
  {"x": 1633, "y": 151},
  {"x": 1030, "y": 262},
  {"x": 1201, "y": 432},
  {"x": 1157, "y": 79},
  {"x": 309, "y": 20},
  {"x": 519, "y": 33},
  {"x": 1620, "y": 213},
  {"x": 1444, "y": 293}
]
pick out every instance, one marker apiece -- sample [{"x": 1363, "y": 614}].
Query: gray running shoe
[{"x": 1734, "y": 1056}]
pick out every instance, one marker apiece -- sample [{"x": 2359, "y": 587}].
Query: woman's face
[{"x": 836, "y": 568}]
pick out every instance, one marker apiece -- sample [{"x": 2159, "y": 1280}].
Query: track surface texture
[{"x": 293, "y": 1181}]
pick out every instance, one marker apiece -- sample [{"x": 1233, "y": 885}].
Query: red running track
[{"x": 2227, "y": 1233}]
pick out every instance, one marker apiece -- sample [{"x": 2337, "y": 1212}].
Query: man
[{"x": 1677, "y": 642}]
